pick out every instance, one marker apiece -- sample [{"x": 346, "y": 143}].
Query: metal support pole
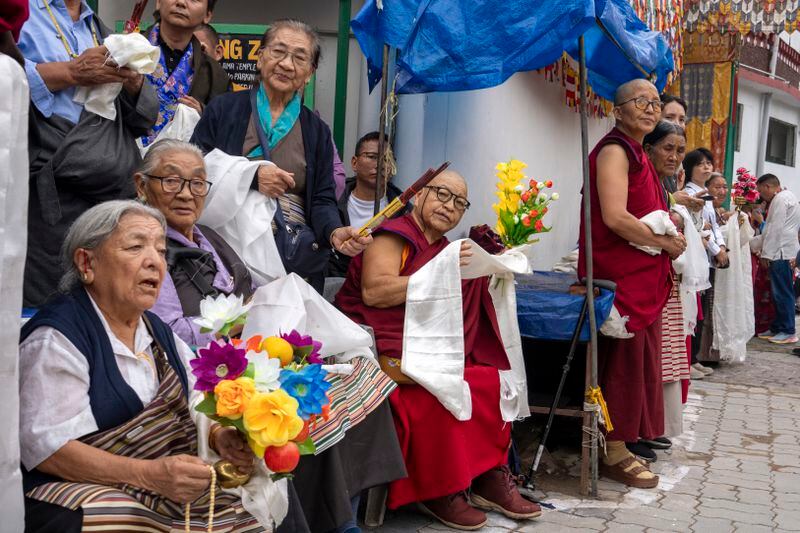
[
  {"x": 380, "y": 179},
  {"x": 342, "y": 59},
  {"x": 587, "y": 224}
]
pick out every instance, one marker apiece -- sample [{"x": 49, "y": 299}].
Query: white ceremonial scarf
[
  {"x": 733, "y": 294},
  {"x": 290, "y": 303},
  {"x": 13, "y": 240},
  {"x": 433, "y": 332},
  {"x": 693, "y": 267},
  {"x": 242, "y": 216},
  {"x": 131, "y": 50}
]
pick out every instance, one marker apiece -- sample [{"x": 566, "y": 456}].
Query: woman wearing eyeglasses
[
  {"x": 270, "y": 123},
  {"x": 200, "y": 263}
]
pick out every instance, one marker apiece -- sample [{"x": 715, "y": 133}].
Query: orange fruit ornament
[{"x": 278, "y": 347}]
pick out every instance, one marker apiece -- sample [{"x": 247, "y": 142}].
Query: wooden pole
[{"x": 380, "y": 180}]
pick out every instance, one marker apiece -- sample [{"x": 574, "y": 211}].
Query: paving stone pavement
[{"x": 736, "y": 468}]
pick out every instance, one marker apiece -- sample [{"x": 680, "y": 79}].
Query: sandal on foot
[{"x": 627, "y": 472}]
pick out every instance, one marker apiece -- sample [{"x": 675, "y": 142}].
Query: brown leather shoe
[
  {"x": 496, "y": 490},
  {"x": 455, "y": 511}
]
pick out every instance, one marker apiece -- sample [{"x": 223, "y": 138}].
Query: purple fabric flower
[
  {"x": 300, "y": 341},
  {"x": 215, "y": 363}
]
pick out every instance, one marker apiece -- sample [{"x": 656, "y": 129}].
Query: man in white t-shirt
[{"x": 357, "y": 203}]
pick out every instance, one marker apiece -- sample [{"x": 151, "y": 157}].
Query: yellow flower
[
  {"x": 233, "y": 396},
  {"x": 516, "y": 164},
  {"x": 502, "y": 167},
  {"x": 271, "y": 419}
]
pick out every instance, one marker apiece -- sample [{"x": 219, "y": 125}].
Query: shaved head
[
  {"x": 629, "y": 88},
  {"x": 452, "y": 180}
]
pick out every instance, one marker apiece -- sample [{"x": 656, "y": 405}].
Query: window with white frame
[{"x": 780, "y": 142}]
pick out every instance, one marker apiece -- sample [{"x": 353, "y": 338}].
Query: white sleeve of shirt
[
  {"x": 53, "y": 394},
  {"x": 773, "y": 229}
]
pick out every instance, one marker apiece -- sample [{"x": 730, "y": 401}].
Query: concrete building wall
[
  {"x": 525, "y": 118},
  {"x": 782, "y": 108}
]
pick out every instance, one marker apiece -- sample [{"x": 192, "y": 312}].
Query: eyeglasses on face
[
  {"x": 443, "y": 194},
  {"x": 175, "y": 184},
  {"x": 301, "y": 59},
  {"x": 643, "y": 103}
]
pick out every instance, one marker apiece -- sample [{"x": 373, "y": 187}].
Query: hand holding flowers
[{"x": 264, "y": 392}]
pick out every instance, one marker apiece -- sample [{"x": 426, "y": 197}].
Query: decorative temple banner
[
  {"x": 565, "y": 72},
  {"x": 705, "y": 84},
  {"x": 741, "y": 16}
]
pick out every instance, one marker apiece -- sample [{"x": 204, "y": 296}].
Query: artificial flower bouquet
[
  {"x": 521, "y": 205},
  {"x": 270, "y": 389},
  {"x": 745, "y": 189}
]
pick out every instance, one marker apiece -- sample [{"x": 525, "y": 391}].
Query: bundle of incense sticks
[
  {"x": 132, "y": 24},
  {"x": 398, "y": 203}
]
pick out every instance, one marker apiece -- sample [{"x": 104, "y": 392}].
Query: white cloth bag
[
  {"x": 433, "y": 331},
  {"x": 131, "y": 50},
  {"x": 242, "y": 216}
]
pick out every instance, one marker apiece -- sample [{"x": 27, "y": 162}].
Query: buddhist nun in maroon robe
[
  {"x": 444, "y": 456},
  {"x": 624, "y": 188}
]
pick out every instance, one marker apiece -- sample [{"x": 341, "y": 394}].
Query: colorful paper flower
[
  {"x": 266, "y": 371},
  {"x": 217, "y": 362},
  {"x": 308, "y": 387},
  {"x": 233, "y": 396},
  {"x": 271, "y": 419},
  {"x": 220, "y": 314},
  {"x": 300, "y": 341}
]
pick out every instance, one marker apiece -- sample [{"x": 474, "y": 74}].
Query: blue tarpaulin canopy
[{"x": 456, "y": 45}]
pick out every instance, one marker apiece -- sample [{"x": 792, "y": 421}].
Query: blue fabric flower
[{"x": 308, "y": 387}]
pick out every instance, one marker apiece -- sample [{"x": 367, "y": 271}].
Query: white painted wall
[
  {"x": 525, "y": 118},
  {"x": 782, "y": 108}
]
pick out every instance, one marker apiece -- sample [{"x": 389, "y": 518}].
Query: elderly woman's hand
[
  {"x": 180, "y": 478},
  {"x": 230, "y": 445},
  {"x": 273, "y": 181},
  {"x": 348, "y": 241},
  {"x": 690, "y": 202}
]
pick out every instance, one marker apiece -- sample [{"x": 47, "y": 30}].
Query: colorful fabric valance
[{"x": 742, "y": 16}]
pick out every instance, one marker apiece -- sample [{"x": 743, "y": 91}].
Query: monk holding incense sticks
[{"x": 445, "y": 455}]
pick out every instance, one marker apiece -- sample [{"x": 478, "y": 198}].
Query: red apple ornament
[{"x": 282, "y": 459}]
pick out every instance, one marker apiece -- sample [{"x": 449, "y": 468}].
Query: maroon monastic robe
[
  {"x": 629, "y": 370},
  {"x": 442, "y": 454}
]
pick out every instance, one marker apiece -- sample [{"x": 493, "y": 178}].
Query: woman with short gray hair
[
  {"x": 106, "y": 433},
  {"x": 199, "y": 262}
]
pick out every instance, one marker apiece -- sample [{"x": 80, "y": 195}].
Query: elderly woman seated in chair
[
  {"x": 199, "y": 262},
  {"x": 107, "y": 436}
]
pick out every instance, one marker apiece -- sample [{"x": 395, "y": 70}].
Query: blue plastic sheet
[
  {"x": 546, "y": 310},
  {"x": 455, "y": 45}
]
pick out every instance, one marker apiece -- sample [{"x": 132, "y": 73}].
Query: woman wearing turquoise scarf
[{"x": 298, "y": 141}]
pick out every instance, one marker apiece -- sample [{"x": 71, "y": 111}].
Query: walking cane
[{"x": 572, "y": 347}]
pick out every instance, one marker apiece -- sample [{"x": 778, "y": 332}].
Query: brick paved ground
[{"x": 736, "y": 468}]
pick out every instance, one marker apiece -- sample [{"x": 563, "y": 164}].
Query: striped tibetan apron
[
  {"x": 353, "y": 397},
  {"x": 163, "y": 428}
]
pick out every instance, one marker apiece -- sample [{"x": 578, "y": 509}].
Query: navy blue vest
[{"x": 112, "y": 400}]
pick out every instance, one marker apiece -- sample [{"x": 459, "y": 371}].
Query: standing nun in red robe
[
  {"x": 624, "y": 188},
  {"x": 444, "y": 456}
]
